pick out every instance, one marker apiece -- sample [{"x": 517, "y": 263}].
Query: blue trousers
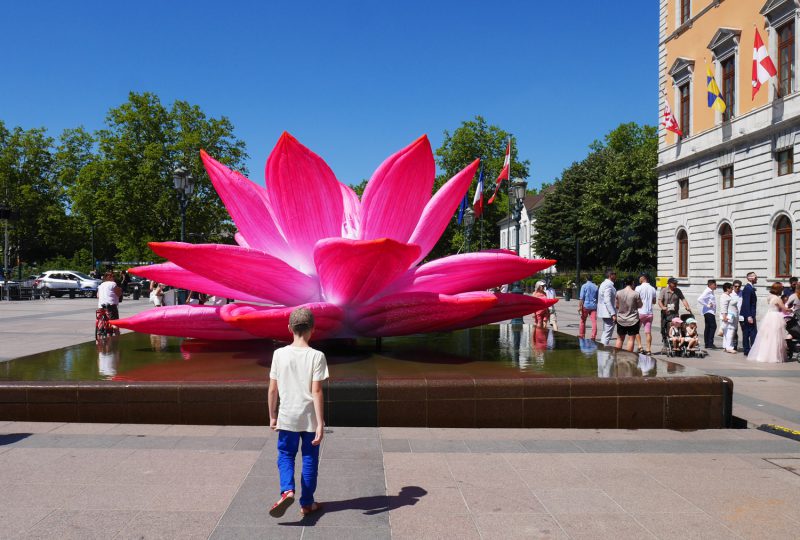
[
  {"x": 288, "y": 441},
  {"x": 749, "y": 332}
]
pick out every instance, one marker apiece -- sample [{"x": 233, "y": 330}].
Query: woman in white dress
[
  {"x": 770, "y": 344},
  {"x": 729, "y": 313}
]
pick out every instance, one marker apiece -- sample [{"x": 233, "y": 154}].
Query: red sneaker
[{"x": 279, "y": 508}]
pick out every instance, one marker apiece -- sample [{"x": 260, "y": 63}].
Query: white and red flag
[
  {"x": 477, "y": 200},
  {"x": 669, "y": 122},
  {"x": 504, "y": 173},
  {"x": 763, "y": 68}
]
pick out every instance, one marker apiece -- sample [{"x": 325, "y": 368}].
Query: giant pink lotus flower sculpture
[{"x": 307, "y": 240}]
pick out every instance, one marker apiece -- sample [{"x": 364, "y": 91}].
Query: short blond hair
[{"x": 301, "y": 320}]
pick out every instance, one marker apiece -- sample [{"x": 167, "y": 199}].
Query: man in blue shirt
[{"x": 587, "y": 307}]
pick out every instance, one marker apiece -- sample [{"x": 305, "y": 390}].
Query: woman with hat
[{"x": 541, "y": 317}]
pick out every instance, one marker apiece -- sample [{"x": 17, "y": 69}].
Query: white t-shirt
[
  {"x": 648, "y": 294},
  {"x": 106, "y": 294},
  {"x": 295, "y": 368}
]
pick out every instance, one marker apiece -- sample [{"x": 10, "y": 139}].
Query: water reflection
[
  {"x": 108, "y": 356},
  {"x": 487, "y": 351}
]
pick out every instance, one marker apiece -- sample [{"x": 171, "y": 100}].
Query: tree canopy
[{"x": 608, "y": 201}]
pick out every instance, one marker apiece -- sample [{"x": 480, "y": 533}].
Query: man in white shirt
[
  {"x": 607, "y": 306},
  {"x": 648, "y": 295},
  {"x": 708, "y": 306},
  {"x": 108, "y": 295},
  {"x": 551, "y": 293}
]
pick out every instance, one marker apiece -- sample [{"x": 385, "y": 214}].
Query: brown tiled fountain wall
[{"x": 626, "y": 403}]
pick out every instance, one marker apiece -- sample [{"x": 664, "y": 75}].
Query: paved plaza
[{"x": 170, "y": 481}]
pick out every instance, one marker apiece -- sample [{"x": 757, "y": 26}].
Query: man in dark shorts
[
  {"x": 108, "y": 295},
  {"x": 628, "y": 304},
  {"x": 669, "y": 300}
]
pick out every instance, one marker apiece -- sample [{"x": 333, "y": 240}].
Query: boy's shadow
[{"x": 408, "y": 496}]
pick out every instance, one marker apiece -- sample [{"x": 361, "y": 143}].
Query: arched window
[
  {"x": 683, "y": 253},
  {"x": 783, "y": 247},
  {"x": 725, "y": 251}
]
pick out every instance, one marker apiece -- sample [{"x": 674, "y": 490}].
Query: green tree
[
  {"x": 477, "y": 139},
  {"x": 127, "y": 191},
  {"x": 31, "y": 187},
  {"x": 608, "y": 200}
]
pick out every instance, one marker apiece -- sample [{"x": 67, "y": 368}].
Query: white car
[{"x": 59, "y": 282}]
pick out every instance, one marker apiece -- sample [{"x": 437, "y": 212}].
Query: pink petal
[
  {"x": 353, "y": 271},
  {"x": 468, "y": 272},
  {"x": 305, "y": 197},
  {"x": 203, "y": 322},
  {"x": 174, "y": 275},
  {"x": 412, "y": 313},
  {"x": 273, "y": 323},
  {"x": 351, "y": 219},
  {"x": 244, "y": 201},
  {"x": 397, "y": 193},
  {"x": 240, "y": 240},
  {"x": 439, "y": 210},
  {"x": 508, "y": 306},
  {"x": 252, "y": 272}
]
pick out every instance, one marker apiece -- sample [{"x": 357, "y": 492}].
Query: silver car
[{"x": 59, "y": 282}]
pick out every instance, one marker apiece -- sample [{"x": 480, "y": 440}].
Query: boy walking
[{"x": 296, "y": 377}]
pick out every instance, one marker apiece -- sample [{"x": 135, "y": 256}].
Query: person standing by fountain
[
  {"x": 748, "y": 312},
  {"x": 628, "y": 304},
  {"x": 587, "y": 307},
  {"x": 648, "y": 295},
  {"x": 606, "y": 305},
  {"x": 108, "y": 296},
  {"x": 296, "y": 377}
]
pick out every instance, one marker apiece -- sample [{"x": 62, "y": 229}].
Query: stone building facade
[
  {"x": 527, "y": 230},
  {"x": 728, "y": 192}
]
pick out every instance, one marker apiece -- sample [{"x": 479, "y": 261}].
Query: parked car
[
  {"x": 59, "y": 282},
  {"x": 137, "y": 287}
]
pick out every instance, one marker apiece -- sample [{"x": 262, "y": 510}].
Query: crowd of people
[{"x": 630, "y": 311}]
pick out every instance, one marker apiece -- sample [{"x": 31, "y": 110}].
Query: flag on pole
[
  {"x": 504, "y": 173},
  {"x": 669, "y": 122},
  {"x": 715, "y": 100},
  {"x": 477, "y": 201},
  {"x": 462, "y": 208},
  {"x": 763, "y": 68}
]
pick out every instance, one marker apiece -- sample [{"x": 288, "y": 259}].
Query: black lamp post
[
  {"x": 469, "y": 221},
  {"x": 518, "y": 190},
  {"x": 184, "y": 185}
]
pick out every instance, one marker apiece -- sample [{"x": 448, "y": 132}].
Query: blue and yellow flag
[{"x": 714, "y": 96}]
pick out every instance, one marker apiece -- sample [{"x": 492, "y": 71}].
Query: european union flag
[
  {"x": 714, "y": 96},
  {"x": 462, "y": 208}
]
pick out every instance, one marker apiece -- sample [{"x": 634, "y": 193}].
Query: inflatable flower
[{"x": 308, "y": 240}]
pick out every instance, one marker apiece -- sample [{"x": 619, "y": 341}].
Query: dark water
[{"x": 489, "y": 351}]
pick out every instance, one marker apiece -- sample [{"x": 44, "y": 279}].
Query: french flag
[{"x": 477, "y": 200}]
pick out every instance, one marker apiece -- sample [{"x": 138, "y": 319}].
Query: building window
[
  {"x": 729, "y": 87},
  {"x": 725, "y": 251},
  {"x": 502, "y": 239},
  {"x": 786, "y": 59},
  {"x": 727, "y": 177},
  {"x": 785, "y": 160},
  {"x": 686, "y": 9},
  {"x": 783, "y": 247},
  {"x": 683, "y": 254},
  {"x": 683, "y": 188},
  {"x": 684, "y": 109}
]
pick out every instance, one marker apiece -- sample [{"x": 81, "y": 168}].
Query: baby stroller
[
  {"x": 675, "y": 347},
  {"x": 793, "y": 345},
  {"x": 695, "y": 351}
]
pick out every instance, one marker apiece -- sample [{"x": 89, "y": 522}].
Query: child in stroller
[
  {"x": 676, "y": 343},
  {"x": 692, "y": 339}
]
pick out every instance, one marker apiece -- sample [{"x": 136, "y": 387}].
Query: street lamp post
[
  {"x": 469, "y": 221},
  {"x": 184, "y": 185},
  {"x": 518, "y": 187}
]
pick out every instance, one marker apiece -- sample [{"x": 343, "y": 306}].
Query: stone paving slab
[{"x": 400, "y": 483}]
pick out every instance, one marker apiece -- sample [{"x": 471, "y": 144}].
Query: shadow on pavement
[
  {"x": 12, "y": 438},
  {"x": 408, "y": 496}
]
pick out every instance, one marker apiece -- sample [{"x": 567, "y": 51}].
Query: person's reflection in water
[
  {"x": 158, "y": 343},
  {"x": 605, "y": 362},
  {"x": 588, "y": 346},
  {"x": 551, "y": 340},
  {"x": 647, "y": 365},
  {"x": 108, "y": 356},
  {"x": 539, "y": 345}
]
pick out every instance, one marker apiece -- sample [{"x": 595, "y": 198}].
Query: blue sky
[{"x": 354, "y": 81}]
